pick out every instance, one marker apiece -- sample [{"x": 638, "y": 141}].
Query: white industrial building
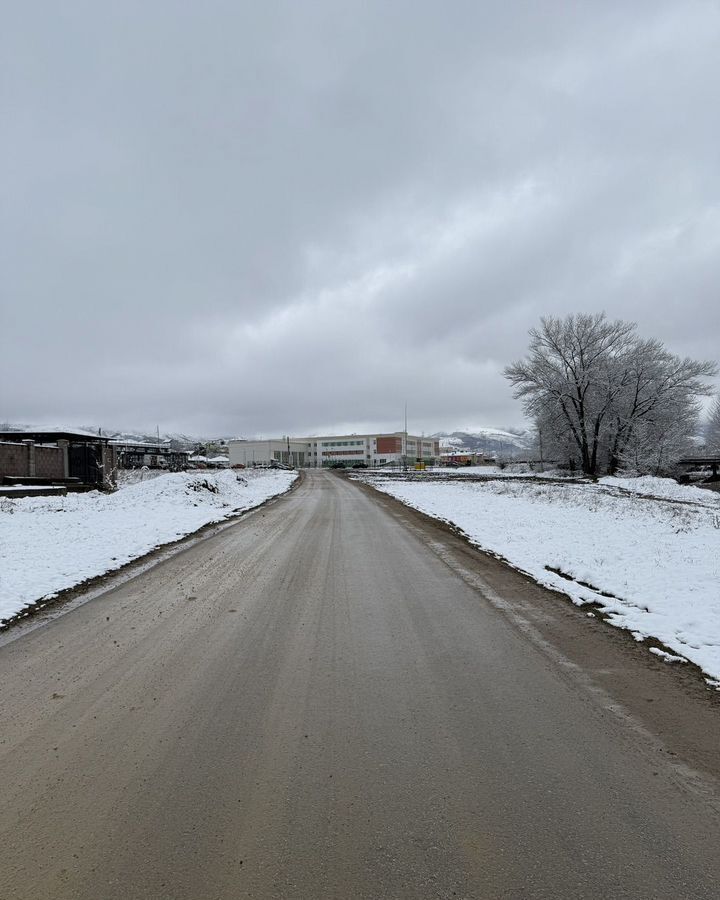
[
  {"x": 326, "y": 450},
  {"x": 289, "y": 451}
]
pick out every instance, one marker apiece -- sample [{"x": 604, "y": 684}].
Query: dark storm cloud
[{"x": 293, "y": 216}]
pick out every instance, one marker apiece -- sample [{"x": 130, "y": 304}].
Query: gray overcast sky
[{"x": 254, "y": 218}]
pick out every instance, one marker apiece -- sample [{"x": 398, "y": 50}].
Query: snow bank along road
[{"x": 338, "y": 699}]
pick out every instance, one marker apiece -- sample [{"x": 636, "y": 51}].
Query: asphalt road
[{"x": 316, "y": 703}]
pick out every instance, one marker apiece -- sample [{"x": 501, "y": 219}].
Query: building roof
[
  {"x": 53, "y": 434},
  {"x": 148, "y": 445}
]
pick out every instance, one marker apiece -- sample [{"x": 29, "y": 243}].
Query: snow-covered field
[
  {"x": 48, "y": 544},
  {"x": 649, "y": 543},
  {"x": 511, "y": 471}
]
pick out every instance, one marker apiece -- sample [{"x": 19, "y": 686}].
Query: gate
[{"x": 84, "y": 463}]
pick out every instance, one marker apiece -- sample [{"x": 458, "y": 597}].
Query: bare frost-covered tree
[
  {"x": 568, "y": 380},
  {"x": 658, "y": 410},
  {"x": 553, "y": 441},
  {"x": 712, "y": 433},
  {"x": 606, "y": 397}
]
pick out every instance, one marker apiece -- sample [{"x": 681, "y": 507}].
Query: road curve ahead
[{"x": 313, "y": 704}]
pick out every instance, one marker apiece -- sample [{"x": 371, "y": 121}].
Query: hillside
[{"x": 490, "y": 441}]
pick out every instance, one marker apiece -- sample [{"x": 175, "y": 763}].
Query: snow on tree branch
[{"x": 602, "y": 397}]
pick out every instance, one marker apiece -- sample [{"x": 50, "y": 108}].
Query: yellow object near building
[{"x": 419, "y": 466}]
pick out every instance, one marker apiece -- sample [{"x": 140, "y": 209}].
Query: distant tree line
[{"x": 602, "y": 398}]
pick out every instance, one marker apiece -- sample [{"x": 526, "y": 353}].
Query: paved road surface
[{"x": 313, "y": 704}]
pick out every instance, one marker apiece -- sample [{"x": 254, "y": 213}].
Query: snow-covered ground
[
  {"x": 514, "y": 470},
  {"x": 48, "y": 544},
  {"x": 650, "y": 544},
  {"x": 128, "y": 477}
]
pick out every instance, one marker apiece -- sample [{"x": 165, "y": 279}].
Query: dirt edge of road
[
  {"x": 673, "y": 703},
  {"x": 98, "y": 584}
]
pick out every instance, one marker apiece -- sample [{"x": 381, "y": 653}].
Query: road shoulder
[{"x": 671, "y": 705}]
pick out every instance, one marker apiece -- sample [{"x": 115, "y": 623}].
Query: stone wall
[
  {"x": 49, "y": 462},
  {"x": 14, "y": 459},
  {"x": 29, "y": 459}
]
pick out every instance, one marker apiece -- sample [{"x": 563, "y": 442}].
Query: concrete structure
[{"x": 326, "y": 450}]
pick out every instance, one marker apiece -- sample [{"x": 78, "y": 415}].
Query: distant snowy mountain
[
  {"x": 491, "y": 441},
  {"x": 177, "y": 440}
]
